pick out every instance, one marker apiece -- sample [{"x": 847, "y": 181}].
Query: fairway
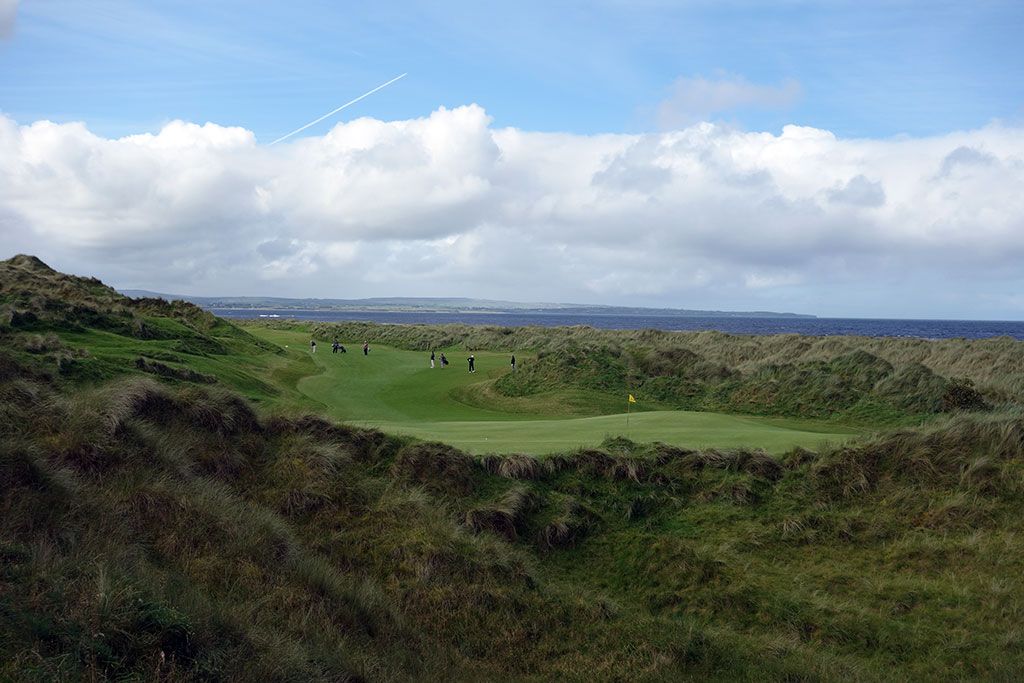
[{"x": 397, "y": 391}]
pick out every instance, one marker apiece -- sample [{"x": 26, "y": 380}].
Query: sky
[{"x": 860, "y": 159}]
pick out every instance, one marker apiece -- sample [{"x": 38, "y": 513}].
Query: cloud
[
  {"x": 858, "y": 191},
  {"x": 8, "y": 11},
  {"x": 447, "y": 204},
  {"x": 698, "y": 99},
  {"x": 781, "y": 279}
]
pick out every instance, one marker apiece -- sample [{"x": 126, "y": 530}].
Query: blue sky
[
  {"x": 839, "y": 158},
  {"x": 865, "y": 69}
]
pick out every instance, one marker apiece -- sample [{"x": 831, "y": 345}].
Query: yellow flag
[{"x": 631, "y": 399}]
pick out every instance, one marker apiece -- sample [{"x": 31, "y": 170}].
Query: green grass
[
  {"x": 676, "y": 427},
  {"x": 397, "y": 391},
  {"x": 859, "y": 380},
  {"x": 160, "y": 527},
  {"x": 256, "y": 373}
]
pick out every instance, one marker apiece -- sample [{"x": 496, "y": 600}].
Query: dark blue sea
[{"x": 928, "y": 329}]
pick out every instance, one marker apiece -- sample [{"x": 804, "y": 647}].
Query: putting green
[
  {"x": 398, "y": 392},
  {"x": 682, "y": 428}
]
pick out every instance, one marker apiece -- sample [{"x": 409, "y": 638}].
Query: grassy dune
[
  {"x": 177, "y": 503},
  {"x": 174, "y": 534}
]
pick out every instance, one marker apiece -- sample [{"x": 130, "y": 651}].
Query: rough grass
[
  {"x": 153, "y": 531},
  {"x": 152, "y": 527}
]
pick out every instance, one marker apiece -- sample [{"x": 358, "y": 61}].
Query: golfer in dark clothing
[
  {"x": 444, "y": 361},
  {"x": 472, "y": 364},
  {"x": 513, "y": 362},
  {"x": 431, "y": 359},
  {"x": 366, "y": 348}
]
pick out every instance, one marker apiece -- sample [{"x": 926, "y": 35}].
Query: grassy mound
[{"x": 78, "y": 330}]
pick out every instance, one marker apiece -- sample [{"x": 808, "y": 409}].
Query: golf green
[{"x": 397, "y": 391}]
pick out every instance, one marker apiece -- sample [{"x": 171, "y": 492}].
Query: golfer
[{"x": 472, "y": 364}]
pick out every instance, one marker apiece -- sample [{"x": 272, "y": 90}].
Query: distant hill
[
  {"x": 444, "y": 304},
  {"x": 47, "y": 318}
]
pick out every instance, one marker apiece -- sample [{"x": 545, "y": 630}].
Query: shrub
[{"x": 960, "y": 394}]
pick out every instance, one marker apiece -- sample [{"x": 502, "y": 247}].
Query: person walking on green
[
  {"x": 513, "y": 362},
  {"x": 472, "y": 364},
  {"x": 431, "y": 359},
  {"x": 312, "y": 345},
  {"x": 366, "y": 348}
]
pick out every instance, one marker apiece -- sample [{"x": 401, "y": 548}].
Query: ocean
[{"x": 928, "y": 329}]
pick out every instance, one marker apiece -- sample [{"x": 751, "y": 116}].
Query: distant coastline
[
  {"x": 462, "y": 306},
  {"x": 740, "y": 325}
]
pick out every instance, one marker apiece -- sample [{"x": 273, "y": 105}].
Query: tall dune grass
[
  {"x": 156, "y": 529},
  {"x": 174, "y": 533}
]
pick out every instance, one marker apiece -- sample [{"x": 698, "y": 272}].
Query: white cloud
[
  {"x": 8, "y": 11},
  {"x": 781, "y": 279},
  {"x": 705, "y": 216},
  {"x": 698, "y": 98}
]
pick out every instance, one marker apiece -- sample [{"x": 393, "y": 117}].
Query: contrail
[{"x": 335, "y": 111}]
